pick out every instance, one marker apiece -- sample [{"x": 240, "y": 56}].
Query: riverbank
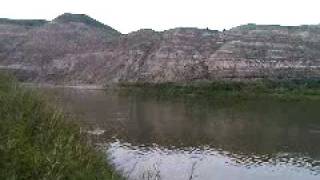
[
  {"x": 38, "y": 142},
  {"x": 284, "y": 90},
  {"x": 80, "y": 86}
]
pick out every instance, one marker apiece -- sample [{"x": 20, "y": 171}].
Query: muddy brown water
[{"x": 146, "y": 138}]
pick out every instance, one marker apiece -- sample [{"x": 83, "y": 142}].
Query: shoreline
[
  {"x": 80, "y": 86},
  {"x": 285, "y": 90},
  {"x": 282, "y": 89}
]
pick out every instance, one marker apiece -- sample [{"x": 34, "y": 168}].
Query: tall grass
[{"x": 36, "y": 142}]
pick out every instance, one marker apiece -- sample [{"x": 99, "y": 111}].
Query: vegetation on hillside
[{"x": 36, "y": 141}]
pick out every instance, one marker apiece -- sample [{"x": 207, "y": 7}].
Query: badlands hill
[{"x": 76, "y": 49}]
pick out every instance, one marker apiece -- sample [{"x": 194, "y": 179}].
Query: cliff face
[{"x": 76, "y": 49}]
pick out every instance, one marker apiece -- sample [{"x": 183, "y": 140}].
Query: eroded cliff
[{"x": 76, "y": 49}]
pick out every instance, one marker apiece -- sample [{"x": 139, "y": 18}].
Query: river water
[{"x": 146, "y": 138}]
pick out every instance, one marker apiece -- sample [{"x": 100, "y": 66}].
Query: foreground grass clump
[
  {"x": 293, "y": 89},
  {"x": 36, "y": 142}
]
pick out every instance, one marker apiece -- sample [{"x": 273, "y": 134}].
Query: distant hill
[
  {"x": 80, "y": 18},
  {"x": 77, "y": 49}
]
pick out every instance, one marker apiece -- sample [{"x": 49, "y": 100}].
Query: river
[{"x": 146, "y": 138}]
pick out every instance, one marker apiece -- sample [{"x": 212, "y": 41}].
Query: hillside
[
  {"x": 76, "y": 49},
  {"x": 26, "y": 23}
]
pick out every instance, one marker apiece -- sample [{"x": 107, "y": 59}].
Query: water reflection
[
  {"x": 205, "y": 163},
  {"x": 149, "y": 139}
]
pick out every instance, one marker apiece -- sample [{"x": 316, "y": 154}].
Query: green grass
[
  {"x": 286, "y": 90},
  {"x": 37, "y": 142}
]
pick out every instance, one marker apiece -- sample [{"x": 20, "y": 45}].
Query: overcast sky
[{"x": 131, "y": 15}]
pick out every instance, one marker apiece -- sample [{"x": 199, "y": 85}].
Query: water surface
[{"x": 145, "y": 138}]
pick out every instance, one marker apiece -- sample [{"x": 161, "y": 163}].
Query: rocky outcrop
[{"x": 76, "y": 49}]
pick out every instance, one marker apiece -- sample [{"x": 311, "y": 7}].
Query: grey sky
[{"x": 131, "y": 15}]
